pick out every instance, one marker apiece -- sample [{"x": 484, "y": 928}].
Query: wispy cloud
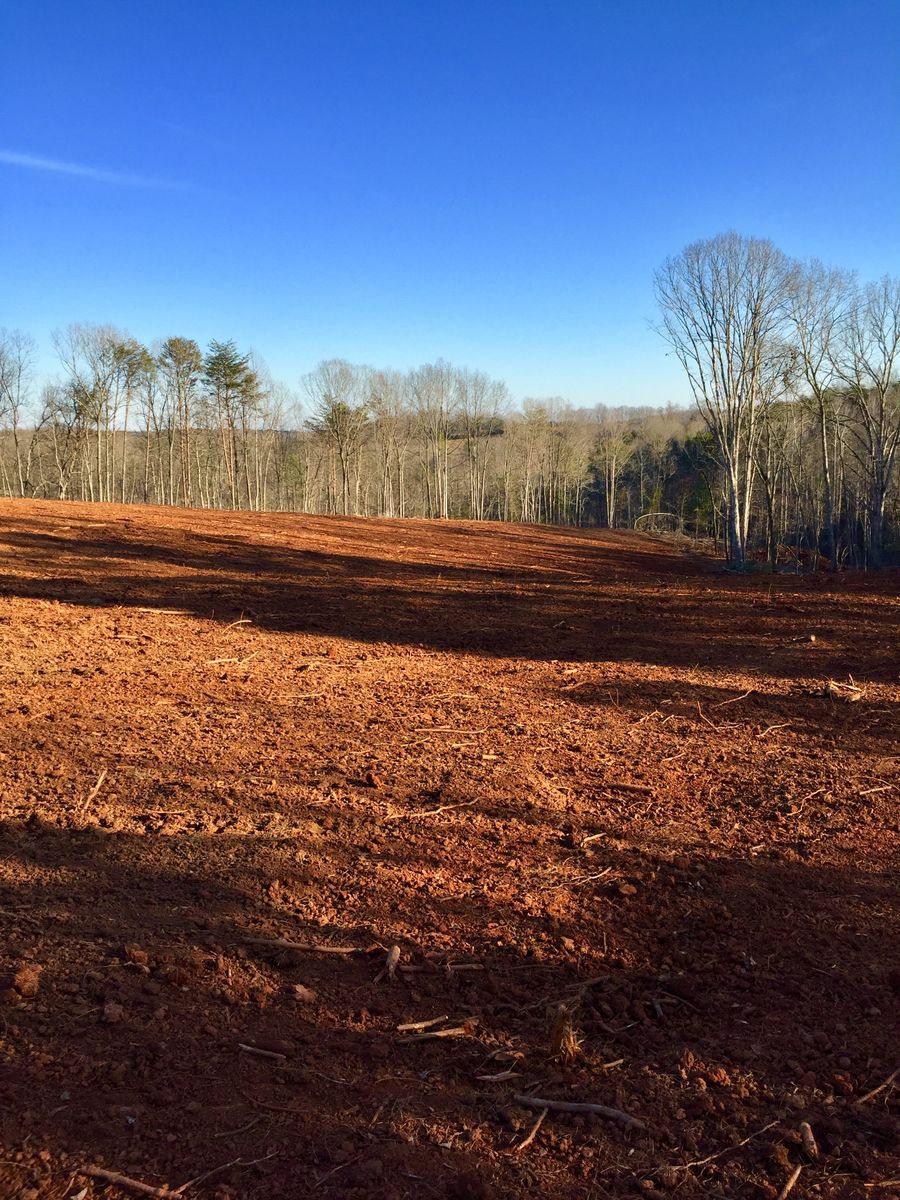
[{"x": 36, "y": 162}]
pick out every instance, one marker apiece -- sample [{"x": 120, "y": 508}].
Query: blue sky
[{"x": 390, "y": 182}]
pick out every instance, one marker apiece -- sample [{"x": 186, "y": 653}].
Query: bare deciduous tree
[{"x": 723, "y": 308}]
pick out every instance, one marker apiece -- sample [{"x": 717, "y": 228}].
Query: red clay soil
[{"x": 632, "y": 847}]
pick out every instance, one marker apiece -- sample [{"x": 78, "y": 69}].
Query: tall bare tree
[
  {"x": 340, "y": 405},
  {"x": 819, "y": 303},
  {"x": 723, "y": 307},
  {"x": 17, "y": 352},
  {"x": 871, "y": 374}
]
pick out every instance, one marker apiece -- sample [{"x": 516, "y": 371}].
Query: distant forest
[{"x": 815, "y": 430}]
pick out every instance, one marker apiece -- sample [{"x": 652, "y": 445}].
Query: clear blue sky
[{"x": 389, "y": 182}]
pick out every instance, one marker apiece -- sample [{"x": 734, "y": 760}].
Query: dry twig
[
  {"x": 532, "y": 1134},
  {"x": 734, "y": 699},
  {"x": 305, "y": 947},
  {"x": 95, "y": 790},
  {"x": 447, "y": 729},
  {"x": 581, "y": 879},
  {"x": 430, "y": 812},
  {"x": 789, "y": 1186},
  {"x": 600, "y": 1110},
  {"x": 701, "y": 1162},
  {"x": 271, "y": 1054},
  {"x": 418, "y": 1026},
  {"x": 848, "y": 692},
  {"x": 129, "y": 1185},
  {"x": 234, "y": 1162},
  {"x": 428, "y": 1035},
  {"x": 881, "y": 1087}
]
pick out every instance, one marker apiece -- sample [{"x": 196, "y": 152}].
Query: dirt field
[{"x": 591, "y": 789}]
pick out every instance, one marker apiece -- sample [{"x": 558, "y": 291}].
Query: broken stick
[
  {"x": 306, "y": 947},
  {"x": 789, "y": 1186},
  {"x": 532, "y": 1134},
  {"x": 418, "y": 1026},
  {"x": 571, "y": 1106},
  {"x": 701, "y": 1162},
  {"x": 881, "y": 1087},
  {"x": 430, "y": 812},
  {"x": 130, "y": 1185},
  {"x": 271, "y": 1054},
  {"x": 456, "y": 1031}
]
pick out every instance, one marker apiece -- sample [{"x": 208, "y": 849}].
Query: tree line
[
  {"x": 788, "y": 456},
  {"x": 794, "y": 369}
]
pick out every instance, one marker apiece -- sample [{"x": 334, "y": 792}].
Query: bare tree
[
  {"x": 17, "y": 351},
  {"x": 819, "y": 302},
  {"x": 613, "y": 448},
  {"x": 482, "y": 401},
  {"x": 435, "y": 392},
  {"x": 339, "y": 398},
  {"x": 723, "y": 305},
  {"x": 870, "y": 366}
]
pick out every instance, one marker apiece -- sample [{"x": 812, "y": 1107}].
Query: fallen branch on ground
[
  {"x": 271, "y": 1054},
  {"x": 881, "y": 1087},
  {"x": 234, "y": 1162},
  {"x": 447, "y": 729},
  {"x": 418, "y": 1026},
  {"x": 848, "y": 692},
  {"x": 789, "y": 1186},
  {"x": 430, "y": 812},
  {"x": 701, "y": 1162},
  {"x": 456, "y": 1031},
  {"x": 95, "y": 790},
  {"x": 305, "y": 947},
  {"x": 600, "y": 1110},
  {"x": 420, "y": 968},
  {"x": 531, "y": 1135},
  {"x": 129, "y": 1185},
  {"x": 733, "y": 700},
  {"x": 554, "y": 887},
  {"x": 234, "y": 1132}
]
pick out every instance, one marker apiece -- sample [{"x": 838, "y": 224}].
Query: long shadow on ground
[{"x": 712, "y": 997}]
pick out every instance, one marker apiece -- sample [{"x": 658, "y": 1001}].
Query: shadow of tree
[
  {"x": 607, "y": 824},
  {"x": 726, "y": 993},
  {"x": 552, "y": 594}
]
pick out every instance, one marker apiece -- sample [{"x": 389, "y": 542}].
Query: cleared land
[{"x": 554, "y": 768}]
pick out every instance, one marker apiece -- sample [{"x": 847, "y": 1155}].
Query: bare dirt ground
[{"x": 591, "y": 789}]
